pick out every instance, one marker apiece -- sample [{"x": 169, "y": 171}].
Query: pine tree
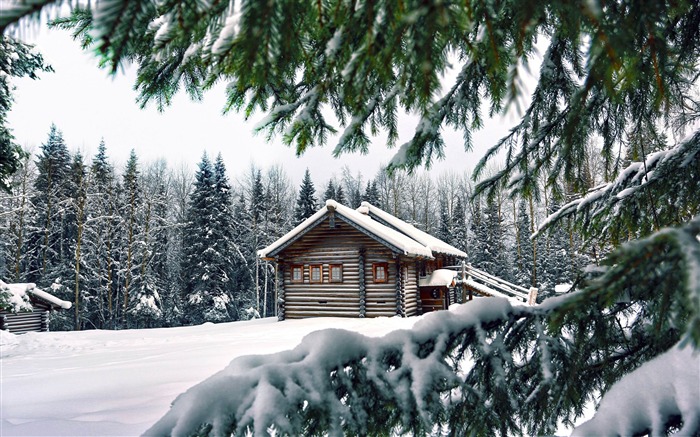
[
  {"x": 306, "y": 201},
  {"x": 18, "y": 218},
  {"x": 223, "y": 240},
  {"x": 445, "y": 223},
  {"x": 371, "y": 194},
  {"x": 77, "y": 218},
  {"x": 525, "y": 266},
  {"x": 206, "y": 247},
  {"x": 103, "y": 208},
  {"x": 50, "y": 255},
  {"x": 196, "y": 257},
  {"x": 244, "y": 270},
  {"x": 556, "y": 257},
  {"x": 130, "y": 205},
  {"x": 340, "y": 195},
  {"x": 330, "y": 191},
  {"x": 150, "y": 281},
  {"x": 459, "y": 226},
  {"x": 16, "y": 60}
]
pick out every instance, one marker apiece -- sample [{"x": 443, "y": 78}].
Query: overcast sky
[{"x": 87, "y": 104}]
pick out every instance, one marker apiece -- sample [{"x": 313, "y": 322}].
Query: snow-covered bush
[{"x": 14, "y": 299}]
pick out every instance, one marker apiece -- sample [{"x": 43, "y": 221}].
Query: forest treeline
[{"x": 148, "y": 246}]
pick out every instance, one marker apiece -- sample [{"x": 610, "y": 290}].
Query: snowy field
[{"x": 120, "y": 382}]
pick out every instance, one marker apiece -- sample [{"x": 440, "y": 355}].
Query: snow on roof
[
  {"x": 402, "y": 242},
  {"x": 439, "y": 278},
  {"x": 18, "y": 292},
  {"x": 434, "y": 244}
]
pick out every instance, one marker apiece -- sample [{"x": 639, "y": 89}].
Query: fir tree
[
  {"x": 306, "y": 201},
  {"x": 130, "y": 204},
  {"x": 150, "y": 282},
  {"x": 445, "y": 224},
  {"x": 459, "y": 226},
  {"x": 371, "y": 194},
  {"x": 103, "y": 208},
  {"x": 206, "y": 262},
  {"x": 555, "y": 257},
  {"x": 48, "y": 244},
  {"x": 524, "y": 264},
  {"x": 330, "y": 191},
  {"x": 77, "y": 218},
  {"x": 223, "y": 237},
  {"x": 19, "y": 216},
  {"x": 16, "y": 60},
  {"x": 340, "y": 195}
]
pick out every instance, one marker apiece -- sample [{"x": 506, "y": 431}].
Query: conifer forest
[
  {"x": 147, "y": 245},
  {"x": 593, "y": 196}
]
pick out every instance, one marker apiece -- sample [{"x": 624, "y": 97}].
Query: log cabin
[
  {"x": 26, "y": 308},
  {"x": 343, "y": 262}
]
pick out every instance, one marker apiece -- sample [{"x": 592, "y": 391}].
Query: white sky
[{"x": 87, "y": 104}]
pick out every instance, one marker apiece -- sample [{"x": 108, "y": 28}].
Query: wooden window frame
[
  {"x": 320, "y": 274},
  {"x": 330, "y": 273},
  {"x": 301, "y": 270},
  {"x": 386, "y": 273}
]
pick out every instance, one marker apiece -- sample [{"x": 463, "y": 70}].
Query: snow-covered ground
[{"x": 121, "y": 382}]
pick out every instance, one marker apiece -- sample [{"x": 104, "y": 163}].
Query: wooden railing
[{"x": 478, "y": 281}]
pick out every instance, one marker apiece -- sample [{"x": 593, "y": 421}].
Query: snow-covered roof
[
  {"x": 439, "y": 278},
  {"x": 434, "y": 244},
  {"x": 19, "y": 296},
  {"x": 402, "y": 242}
]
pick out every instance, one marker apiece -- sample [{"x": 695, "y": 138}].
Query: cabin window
[
  {"x": 315, "y": 274},
  {"x": 336, "y": 272},
  {"x": 381, "y": 272},
  {"x": 297, "y": 274}
]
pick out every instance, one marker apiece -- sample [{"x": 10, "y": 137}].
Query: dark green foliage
[
  {"x": 371, "y": 193},
  {"x": 306, "y": 200},
  {"x": 103, "y": 207},
  {"x": 459, "y": 226},
  {"x": 16, "y": 60},
  {"x": 206, "y": 259},
  {"x": 444, "y": 224},
  {"x": 489, "y": 251},
  {"x": 524, "y": 263},
  {"x": 557, "y": 263},
  {"x": 129, "y": 204},
  {"x": 49, "y": 249}
]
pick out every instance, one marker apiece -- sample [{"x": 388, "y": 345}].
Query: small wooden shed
[
  {"x": 354, "y": 263},
  {"x": 26, "y": 308}
]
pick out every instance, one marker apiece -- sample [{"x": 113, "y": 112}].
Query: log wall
[
  {"x": 19, "y": 323},
  {"x": 341, "y": 244}
]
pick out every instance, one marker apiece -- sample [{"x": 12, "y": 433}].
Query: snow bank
[
  {"x": 258, "y": 392},
  {"x": 120, "y": 383},
  {"x": 671, "y": 385}
]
